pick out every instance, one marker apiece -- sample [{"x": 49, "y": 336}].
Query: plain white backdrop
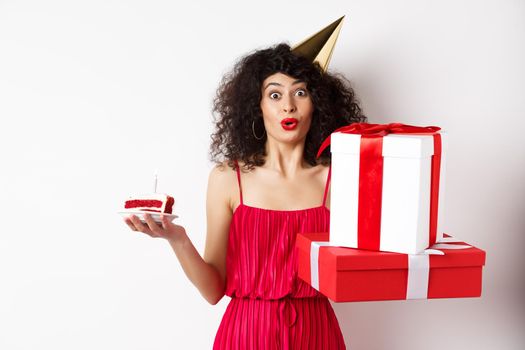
[{"x": 96, "y": 95}]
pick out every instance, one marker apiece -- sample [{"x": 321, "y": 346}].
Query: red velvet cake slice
[{"x": 156, "y": 202}]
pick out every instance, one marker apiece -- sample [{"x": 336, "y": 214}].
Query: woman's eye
[
  {"x": 301, "y": 93},
  {"x": 275, "y": 95}
]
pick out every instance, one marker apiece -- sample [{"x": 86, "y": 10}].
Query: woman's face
[{"x": 286, "y": 108}]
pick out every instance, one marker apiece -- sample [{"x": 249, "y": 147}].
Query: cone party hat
[{"x": 319, "y": 47}]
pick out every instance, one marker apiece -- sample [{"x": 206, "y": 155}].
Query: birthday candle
[{"x": 156, "y": 176}]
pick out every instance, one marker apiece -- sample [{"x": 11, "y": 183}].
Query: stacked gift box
[{"x": 386, "y": 237}]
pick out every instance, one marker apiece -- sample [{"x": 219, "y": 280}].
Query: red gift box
[{"x": 348, "y": 274}]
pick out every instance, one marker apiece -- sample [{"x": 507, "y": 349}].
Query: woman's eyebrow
[{"x": 277, "y": 84}]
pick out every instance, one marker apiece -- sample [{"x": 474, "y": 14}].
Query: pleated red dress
[{"x": 270, "y": 307}]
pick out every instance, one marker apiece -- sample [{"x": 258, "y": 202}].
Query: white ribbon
[
  {"x": 418, "y": 266},
  {"x": 418, "y": 270},
  {"x": 314, "y": 262}
]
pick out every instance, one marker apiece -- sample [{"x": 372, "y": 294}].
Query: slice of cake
[{"x": 155, "y": 202}]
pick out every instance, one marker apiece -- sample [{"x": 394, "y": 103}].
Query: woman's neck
[{"x": 286, "y": 159}]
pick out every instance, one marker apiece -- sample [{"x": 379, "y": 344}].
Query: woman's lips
[{"x": 289, "y": 123}]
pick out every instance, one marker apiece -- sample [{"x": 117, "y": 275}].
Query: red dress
[{"x": 270, "y": 307}]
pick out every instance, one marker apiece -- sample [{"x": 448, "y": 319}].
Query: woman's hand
[{"x": 167, "y": 230}]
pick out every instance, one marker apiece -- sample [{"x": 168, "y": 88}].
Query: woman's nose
[{"x": 289, "y": 105}]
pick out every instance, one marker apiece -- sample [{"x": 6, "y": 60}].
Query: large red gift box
[{"x": 349, "y": 274}]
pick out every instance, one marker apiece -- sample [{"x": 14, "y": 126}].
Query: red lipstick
[{"x": 289, "y": 123}]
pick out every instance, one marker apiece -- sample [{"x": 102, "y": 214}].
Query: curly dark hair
[{"x": 237, "y": 105}]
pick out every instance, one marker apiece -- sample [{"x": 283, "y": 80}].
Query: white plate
[{"x": 140, "y": 215}]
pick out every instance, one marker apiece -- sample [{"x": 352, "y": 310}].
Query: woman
[{"x": 272, "y": 113}]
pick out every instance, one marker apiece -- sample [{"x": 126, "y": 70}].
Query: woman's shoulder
[
  {"x": 222, "y": 172},
  {"x": 225, "y": 173},
  {"x": 222, "y": 183}
]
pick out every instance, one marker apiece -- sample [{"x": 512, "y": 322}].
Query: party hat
[{"x": 319, "y": 47}]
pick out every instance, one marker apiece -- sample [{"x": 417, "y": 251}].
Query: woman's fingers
[
  {"x": 153, "y": 226},
  {"x": 140, "y": 226},
  {"x": 165, "y": 222},
  {"x": 130, "y": 224}
]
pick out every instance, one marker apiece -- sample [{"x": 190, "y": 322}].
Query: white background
[{"x": 96, "y": 95}]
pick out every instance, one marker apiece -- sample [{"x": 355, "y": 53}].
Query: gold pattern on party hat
[{"x": 319, "y": 47}]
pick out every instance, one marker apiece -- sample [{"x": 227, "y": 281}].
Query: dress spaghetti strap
[
  {"x": 239, "y": 179},
  {"x": 327, "y": 185}
]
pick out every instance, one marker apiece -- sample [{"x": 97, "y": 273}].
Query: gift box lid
[
  {"x": 341, "y": 258},
  {"x": 394, "y": 145}
]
